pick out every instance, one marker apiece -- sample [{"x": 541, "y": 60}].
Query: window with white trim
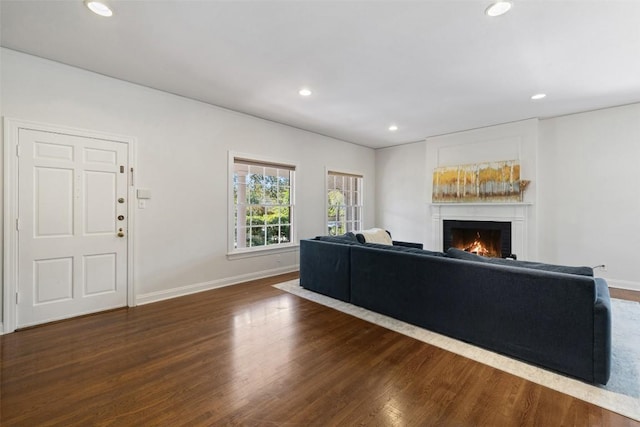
[
  {"x": 262, "y": 203},
  {"x": 344, "y": 202}
]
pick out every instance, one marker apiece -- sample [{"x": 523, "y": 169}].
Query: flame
[{"x": 477, "y": 247}]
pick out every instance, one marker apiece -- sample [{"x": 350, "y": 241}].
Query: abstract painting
[{"x": 489, "y": 182}]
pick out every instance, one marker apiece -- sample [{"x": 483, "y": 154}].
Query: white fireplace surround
[{"x": 516, "y": 213}]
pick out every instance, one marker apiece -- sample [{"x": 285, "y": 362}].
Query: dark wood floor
[
  {"x": 625, "y": 294},
  {"x": 253, "y": 355}
]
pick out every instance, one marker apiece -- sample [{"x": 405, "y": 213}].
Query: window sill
[{"x": 262, "y": 251}]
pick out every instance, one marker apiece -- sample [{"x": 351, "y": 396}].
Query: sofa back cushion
[
  {"x": 347, "y": 238},
  {"x": 460, "y": 254},
  {"x": 407, "y": 249}
]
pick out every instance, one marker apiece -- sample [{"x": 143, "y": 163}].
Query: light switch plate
[{"x": 143, "y": 193}]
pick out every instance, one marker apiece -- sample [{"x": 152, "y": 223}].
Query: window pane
[
  {"x": 285, "y": 234},
  {"x": 333, "y": 228},
  {"x": 257, "y": 236},
  {"x": 252, "y": 190},
  {"x": 269, "y": 171},
  {"x": 336, "y": 198},
  {"x": 284, "y": 177},
  {"x": 336, "y": 228},
  {"x": 285, "y": 215},
  {"x": 272, "y": 235},
  {"x": 284, "y": 195},
  {"x": 272, "y": 215},
  {"x": 256, "y": 215},
  {"x": 271, "y": 194}
]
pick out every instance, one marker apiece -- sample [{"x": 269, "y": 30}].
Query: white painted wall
[
  {"x": 401, "y": 191},
  {"x": 182, "y": 148},
  {"x": 584, "y": 190},
  {"x": 589, "y": 193}
]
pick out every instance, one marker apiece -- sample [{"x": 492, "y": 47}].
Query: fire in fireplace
[{"x": 485, "y": 238}]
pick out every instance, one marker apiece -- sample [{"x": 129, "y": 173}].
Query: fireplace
[
  {"x": 515, "y": 216},
  {"x": 485, "y": 238}
]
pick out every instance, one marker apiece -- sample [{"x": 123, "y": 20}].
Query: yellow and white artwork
[{"x": 487, "y": 182}]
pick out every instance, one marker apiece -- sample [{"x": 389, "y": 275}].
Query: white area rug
[{"x": 621, "y": 394}]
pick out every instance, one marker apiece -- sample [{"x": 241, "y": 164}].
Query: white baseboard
[
  {"x": 623, "y": 284},
  {"x": 1, "y": 329},
  {"x": 207, "y": 286}
]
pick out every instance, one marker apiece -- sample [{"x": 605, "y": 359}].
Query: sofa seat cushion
[{"x": 460, "y": 254}]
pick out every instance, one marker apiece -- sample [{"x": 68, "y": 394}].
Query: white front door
[{"x": 72, "y": 226}]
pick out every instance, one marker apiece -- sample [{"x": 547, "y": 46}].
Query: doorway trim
[{"x": 10, "y": 209}]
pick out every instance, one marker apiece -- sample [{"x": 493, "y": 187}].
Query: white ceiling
[{"x": 431, "y": 67}]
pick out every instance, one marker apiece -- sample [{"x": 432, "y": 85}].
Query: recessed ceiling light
[
  {"x": 393, "y": 128},
  {"x": 539, "y": 96},
  {"x": 498, "y": 8},
  {"x": 98, "y": 7},
  {"x": 304, "y": 92}
]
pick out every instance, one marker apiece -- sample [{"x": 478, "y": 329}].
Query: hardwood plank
[
  {"x": 624, "y": 294},
  {"x": 250, "y": 354}
]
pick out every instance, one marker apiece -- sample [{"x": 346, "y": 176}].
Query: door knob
[{"x": 120, "y": 233}]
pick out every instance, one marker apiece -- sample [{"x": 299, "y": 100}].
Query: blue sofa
[{"x": 556, "y": 317}]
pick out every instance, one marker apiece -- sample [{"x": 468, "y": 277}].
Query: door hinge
[
  {"x": 17, "y": 297},
  {"x": 132, "y": 177},
  {"x": 18, "y": 150},
  {"x": 17, "y": 224}
]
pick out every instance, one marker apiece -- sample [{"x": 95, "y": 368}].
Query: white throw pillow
[{"x": 377, "y": 235}]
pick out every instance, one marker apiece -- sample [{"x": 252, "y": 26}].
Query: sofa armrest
[
  {"x": 325, "y": 268},
  {"x": 602, "y": 332},
  {"x": 408, "y": 244}
]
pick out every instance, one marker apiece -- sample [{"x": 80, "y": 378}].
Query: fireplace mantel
[{"x": 517, "y": 213}]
